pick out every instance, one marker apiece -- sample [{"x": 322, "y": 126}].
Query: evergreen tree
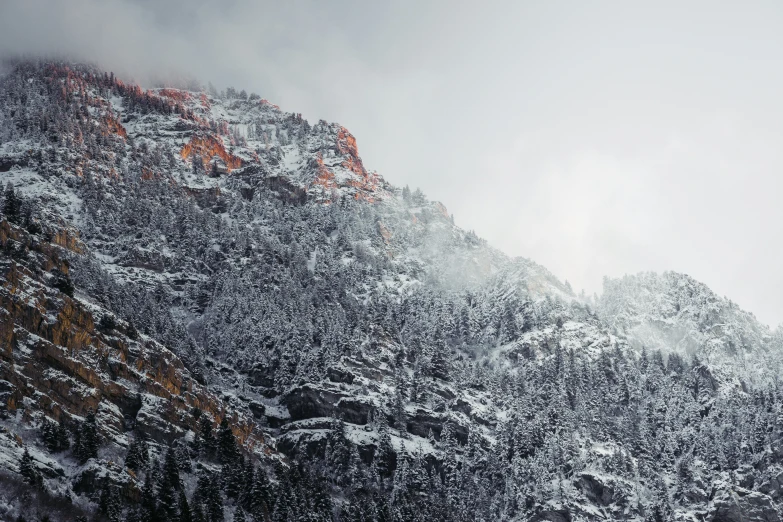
[
  {"x": 87, "y": 439},
  {"x": 198, "y": 512},
  {"x": 62, "y": 282},
  {"x": 28, "y": 470},
  {"x": 339, "y": 452},
  {"x": 12, "y": 204},
  {"x": 206, "y": 437},
  {"x": 208, "y": 495},
  {"x": 227, "y": 449},
  {"x": 169, "y": 486},
  {"x": 185, "y": 513},
  {"x": 110, "y": 504},
  {"x": 385, "y": 456},
  {"x": 137, "y": 457},
  {"x": 149, "y": 503},
  {"x": 55, "y": 436},
  {"x": 260, "y": 496}
]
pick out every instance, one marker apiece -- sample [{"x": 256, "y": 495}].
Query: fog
[{"x": 596, "y": 138}]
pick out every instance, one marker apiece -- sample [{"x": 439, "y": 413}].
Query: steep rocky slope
[
  {"x": 65, "y": 357},
  {"x": 232, "y": 261},
  {"x": 674, "y": 313}
]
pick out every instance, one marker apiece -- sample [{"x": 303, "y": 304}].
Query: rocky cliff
[{"x": 226, "y": 285}]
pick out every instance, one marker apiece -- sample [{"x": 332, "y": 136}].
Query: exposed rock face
[
  {"x": 597, "y": 490},
  {"x": 204, "y": 147},
  {"x": 423, "y": 421},
  {"x": 141, "y": 258},
  {"x": 552, "y": 516},
  {"x": 741, "y": 505},
  {"x": 307, "y": 401},
  {"x": 293, "y": 287},
  {"x": 56, "y": 361},
  {"x": 774, "y": 486}
]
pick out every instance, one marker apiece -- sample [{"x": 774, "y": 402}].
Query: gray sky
[{"x": 597, "y": 138}]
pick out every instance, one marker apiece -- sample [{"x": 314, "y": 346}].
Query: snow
[
  {"x": 292, "y": 158},
  {"x": 52, "y": 192},
  {"x": 404, "y": 249},
  {"x": 311, "y": 260}
]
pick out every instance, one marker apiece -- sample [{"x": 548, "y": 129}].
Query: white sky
[{"x": 597, "y": 138}]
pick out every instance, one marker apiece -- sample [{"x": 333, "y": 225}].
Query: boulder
[
  {"x": 603, "y": 490},
  {"x": 741, "y": 505},
  {"x": 308, "y": 401},
  {"x": 338, "y": 374},
  {"x": 257, "y": 409},
  {"x": 773, "y": 486}
]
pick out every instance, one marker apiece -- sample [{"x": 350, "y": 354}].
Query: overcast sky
[{"x": 596, "y": 138}]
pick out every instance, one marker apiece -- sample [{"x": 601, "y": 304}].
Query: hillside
[{"x": 248, "y": 324}]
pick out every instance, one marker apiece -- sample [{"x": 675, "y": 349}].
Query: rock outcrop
[{"x": 57, "y": 362}]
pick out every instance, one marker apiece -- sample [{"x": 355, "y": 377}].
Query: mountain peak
[
  {"x": 207, "y": 301},
  {"x": 212, "y": 135}
]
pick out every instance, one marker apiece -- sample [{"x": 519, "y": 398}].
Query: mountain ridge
[{"x": 393, "y": 365}]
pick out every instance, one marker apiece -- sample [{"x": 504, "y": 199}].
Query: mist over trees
[{"x": 398, "y": 367}]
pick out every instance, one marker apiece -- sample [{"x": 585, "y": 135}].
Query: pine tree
[
  {"x": 206, "y": 438},
  {"x": 169, "y": 486},
  {"x": 55, "y": 436},
  {"x": 61, "y": 435},
  {"x": 12, "y": 204},
  {"x": 149, "y": 503},
  {"x": 398, "y": 406},
  {"x": 170, "y": 470},
  {"x": 260, "y": 496},
  {"x": 227, "y": 450},
  {"x": 28, "y": 470},
  {"x": 62, "y": 282},
  {"x": 185, "y": 513},
  {"x": 246, "y": 479},
  {"x": 232, "y": 475},
  {"x": 385, "y": 456},
  {"x": 137, "y": 458},
  {"x": 660, "y": 509},
  {"x": 208, "y": 495},
  {"x": 182, "y": 456},
  {"x": 339, "y": 451},
  {"x": 87, "y": 439},
  {"x": 439, "y": 363},
  {"x": 198, "y": 512},
  {"x": 110, "y": 504}
]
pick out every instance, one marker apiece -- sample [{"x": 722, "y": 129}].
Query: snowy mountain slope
[
  {"x": 673, "y": 312},
  {"x": 406, "y": 369}
]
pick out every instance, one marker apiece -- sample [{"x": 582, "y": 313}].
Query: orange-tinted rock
[
  {"x": 205, "y": 147},
  {"x": 61, "y": 365},
  {"x": 385, "y": 232},
  {"x": 442, "y": 209},
  {"x": 264, "y": 101},
  {"x": 175, "y": 94},
  {"x": 113, "y": 126}
]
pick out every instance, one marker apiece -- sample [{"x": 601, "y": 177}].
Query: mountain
[
  {"x": 211, "y": 310},
  {"x": 674, "y": 313}
]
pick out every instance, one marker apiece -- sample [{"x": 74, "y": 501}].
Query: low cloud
[{"x": 596, "y": 139}]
